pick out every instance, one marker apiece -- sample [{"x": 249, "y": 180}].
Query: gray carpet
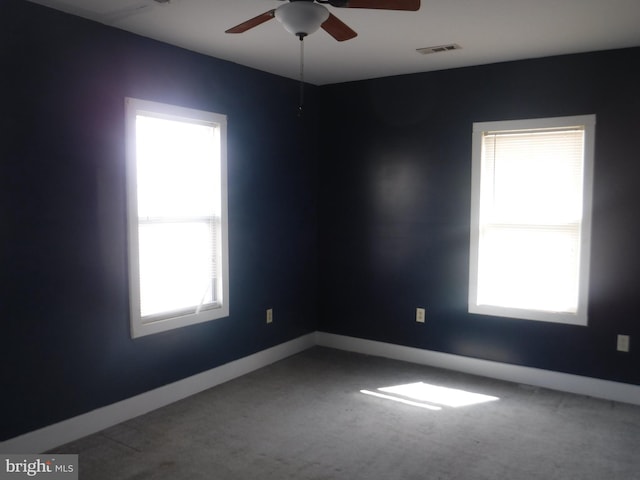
[{"x": 305, "y": 418}]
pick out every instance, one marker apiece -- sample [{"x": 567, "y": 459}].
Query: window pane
[
  {"x": 176, "y": 266},
  {"x": 529, "y": 268},
  {"x": 176, "y": 168},
  {"x": 533, "y": 177}
]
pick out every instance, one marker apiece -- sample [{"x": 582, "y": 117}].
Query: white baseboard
[
  {"x": 74, "y": 428},
  {"x": 593, "y": 387}
]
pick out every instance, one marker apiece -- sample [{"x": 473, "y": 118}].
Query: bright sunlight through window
[
  {"x": 430, "y": 397},
  {"x": 177, "y": 216},
  {"x": 530, "y": 231}
]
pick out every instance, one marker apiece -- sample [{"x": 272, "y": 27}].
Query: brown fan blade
[
  {"x": 338, "y": 29},
  {"x": 254, "y": 22},
  {"x": 410, "y": 5}
]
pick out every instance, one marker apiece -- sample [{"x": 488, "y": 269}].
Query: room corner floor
[{"x": 306, "y": 417}]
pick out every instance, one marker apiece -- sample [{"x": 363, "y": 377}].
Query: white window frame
[
  {"x": 151, "y": 324},
  {"x": 587, "y": 123}
]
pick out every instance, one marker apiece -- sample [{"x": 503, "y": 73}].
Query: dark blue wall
[
  {"x": 64, "y": 328},
  {"x": 395, "y": 209}
]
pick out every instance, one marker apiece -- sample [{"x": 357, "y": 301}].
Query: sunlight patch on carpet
[
  {"x": 428, "y": 396},
  {"x": 400, "y": 400}
]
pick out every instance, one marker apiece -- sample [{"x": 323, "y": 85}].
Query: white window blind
[{"x": 530, "y": 226}]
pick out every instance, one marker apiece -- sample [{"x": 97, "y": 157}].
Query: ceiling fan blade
[
  {"x": 253, "y": 22},
  {"x": 338, "y": 29},
  {"x": 409, "y": 5}
]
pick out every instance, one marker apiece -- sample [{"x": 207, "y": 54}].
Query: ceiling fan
[{"x": 303, "y": 17}]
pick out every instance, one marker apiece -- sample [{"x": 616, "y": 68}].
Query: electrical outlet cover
[{"x": 623, "y": 343}]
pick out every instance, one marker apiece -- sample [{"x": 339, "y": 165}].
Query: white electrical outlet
[
  {"x": 623, "y": 343},
  {"x": 270, "y": 315},
  {"x": 420, "y": 314}
]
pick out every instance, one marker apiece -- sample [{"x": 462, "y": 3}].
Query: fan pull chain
[{"x": 301, "y": 103}]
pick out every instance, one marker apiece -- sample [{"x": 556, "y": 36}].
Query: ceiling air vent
[{"x": 438, "y": 49}]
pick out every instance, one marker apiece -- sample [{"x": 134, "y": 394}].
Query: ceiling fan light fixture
[{"x": 301, "y": 18}]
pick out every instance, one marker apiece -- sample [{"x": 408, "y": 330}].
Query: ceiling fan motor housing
[{"x": 301, "y": 18}]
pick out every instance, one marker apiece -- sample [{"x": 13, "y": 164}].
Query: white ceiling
[{"x": 489, "y": 31}]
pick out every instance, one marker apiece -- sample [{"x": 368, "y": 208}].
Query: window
[
  {"x": 177, "y": 216},
  {"x": 530, "y": 218}
]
